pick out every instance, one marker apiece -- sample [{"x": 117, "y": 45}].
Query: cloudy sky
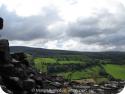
[{"x": 83, "y": 25}]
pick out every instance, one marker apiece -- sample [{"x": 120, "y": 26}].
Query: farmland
[
  {"x": 72, "y": 65},
  {"x": 74, "y": 70},
  {"x": 117, "y": 71}
]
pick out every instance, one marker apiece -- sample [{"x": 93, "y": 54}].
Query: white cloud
[{"x": 68, "y": 11}]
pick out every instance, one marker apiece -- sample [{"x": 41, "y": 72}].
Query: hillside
[
  {"x": 38, "y": 52},
  {"x": 78, "y": 64}
]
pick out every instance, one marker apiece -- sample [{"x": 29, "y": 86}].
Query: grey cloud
[
  {"x": 116, "y": 39},
  {"x": 83, "y": 28},
  {"x": 104, "y": 28},
  {"x": 27, "y": 28},
  {"x": 102, "y": 23}
]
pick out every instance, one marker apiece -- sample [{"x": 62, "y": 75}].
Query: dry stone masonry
[{"x": 15, "y": 73}]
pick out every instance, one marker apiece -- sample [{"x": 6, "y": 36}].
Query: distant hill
[
  {"x": 38, "y": 52},
  {"x": 41, "y": 51}
]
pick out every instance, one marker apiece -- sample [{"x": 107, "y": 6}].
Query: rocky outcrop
[{"x": 16, "y": 74}]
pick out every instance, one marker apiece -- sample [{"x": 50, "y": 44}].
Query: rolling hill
[
  {"x": 50, "y": 52},
  {"x": 78, "y": 64}
]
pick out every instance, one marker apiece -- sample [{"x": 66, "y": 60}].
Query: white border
[{"x": 123, "y": 91}]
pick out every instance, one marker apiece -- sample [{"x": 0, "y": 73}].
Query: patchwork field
[
  {"x": 92, "y": 72},
  {"x": 73, "y": 65},
  {"x": 74, "y": 70},
  {"x": 117, "y": 71}
]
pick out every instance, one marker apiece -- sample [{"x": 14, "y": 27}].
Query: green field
[
  {"x": 45, "y": 60},
  {"x": 76, "y": 65},
  {"x": 91, "y": 71},
  {"x": 87, "y": 73},
  {"x": 42, "y": 63},
  {"x": 70, "y": 62},
  {"x": 117, "y": 71},
  {"x": 55, "y": 61}
]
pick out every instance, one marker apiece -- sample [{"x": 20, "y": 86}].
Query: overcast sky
[{"x": 83, "y": 25}]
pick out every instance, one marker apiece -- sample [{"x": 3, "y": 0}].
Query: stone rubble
[{"x": 16, "y": 74}]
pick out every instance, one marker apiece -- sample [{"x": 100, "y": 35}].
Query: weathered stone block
[
  {"x": 1, "y": 23},
  {"x": 4, "y": 51},
  {"x": 29, "y": 84}
]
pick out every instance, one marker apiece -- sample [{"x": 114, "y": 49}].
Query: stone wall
[
  {"x": 4, "y": 51},
  {"x": 16, "y": 74}
]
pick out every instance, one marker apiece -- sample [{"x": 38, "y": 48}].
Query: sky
[{"x": 80, "y": 25}]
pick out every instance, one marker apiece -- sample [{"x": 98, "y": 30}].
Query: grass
[
  {"x": 117, "y": 71},
  {"x": 39, "y": 66},
  {"x": 54, "y": 61},
  {"x": 87, "y": 73},
  {"x": 45, "y": 60},
  {"x": 42, "y": 63},
  {"x": 70, "y": 62}
]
